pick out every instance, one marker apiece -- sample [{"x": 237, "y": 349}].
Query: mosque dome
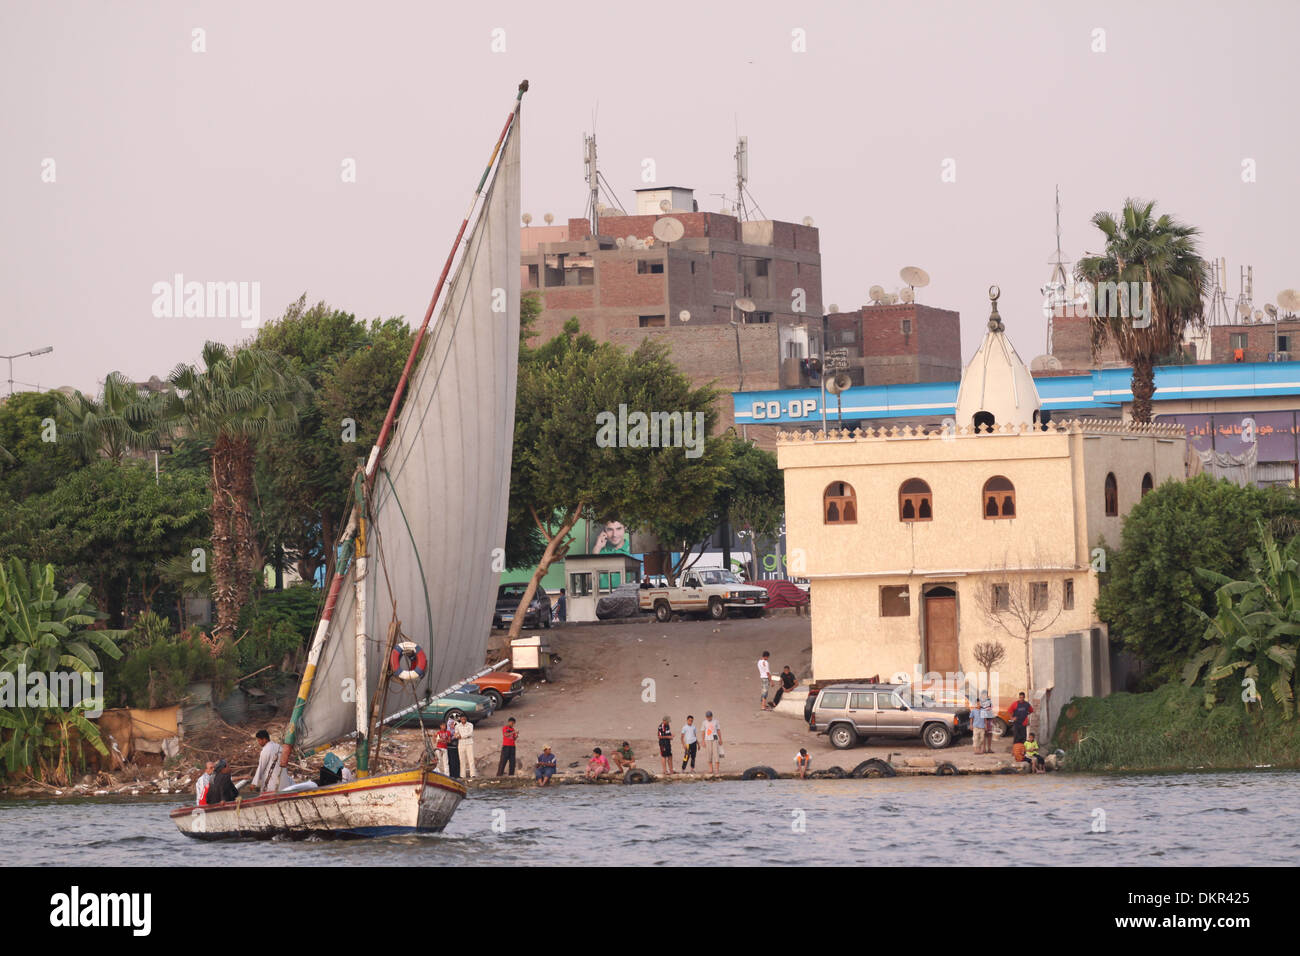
[{"x": 996, "y": 387}]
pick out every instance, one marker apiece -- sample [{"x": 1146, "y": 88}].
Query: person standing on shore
[
  {"x": 205, "y": 780},
  {"x": 561, "y": 606},
  {"x": 509, "y": 738},
  {"x": 465, "y": 732},
  {"x": 978, "y": 724},
  {"x": 453, "y": 750},
  {"x": 441, "y": 737},
  {"x": 986, "y": 707},
  {"x": 690, "y": 740},
  {"x": 1020, "y": 712},
  {"x": 765, "y": 679},
  {"x": 712, "y": 741},
  {"x": 665, "y": 732}
]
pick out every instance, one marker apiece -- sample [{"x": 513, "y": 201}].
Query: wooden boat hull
[{"x": 416, "y": 801}]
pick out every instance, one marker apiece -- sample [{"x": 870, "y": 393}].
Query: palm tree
[
  {"x": 122, "y": 419},
  {"x": 1160, "y": 252},
  {"x": 239, "y": 395}
]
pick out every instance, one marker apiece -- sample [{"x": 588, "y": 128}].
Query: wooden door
[{"x": 941, "y": 633}]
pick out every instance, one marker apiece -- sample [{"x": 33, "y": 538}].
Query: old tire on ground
[
  {"x": 946, "y": 769},
  {"x": 663, "y": 613},
  {"x": 937, "y": 736},
  {"x": 717, "y": 610},
  {"x": 831, "y": 773},
  {"x": 875, "y": 767},
  {"x": 637, "y": 775},
  {"x": 843, "y": 737},
  {"x": 759, "y": 773}
]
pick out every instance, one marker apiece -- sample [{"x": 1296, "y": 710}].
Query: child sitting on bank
[
  {"x": 1032, "y": 756},
  {"x": 802, "y": 761}
]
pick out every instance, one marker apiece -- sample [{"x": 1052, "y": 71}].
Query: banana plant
[
  {"x": 1255, "y": 629},
  {"x": 44, "y": 631}
]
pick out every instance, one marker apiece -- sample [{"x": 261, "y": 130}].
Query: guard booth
[{"x": 589, "y": 577}]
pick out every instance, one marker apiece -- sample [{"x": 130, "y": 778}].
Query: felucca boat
[{"x": 429, "y": 508}]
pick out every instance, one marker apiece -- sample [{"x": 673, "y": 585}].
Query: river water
[{"x": 1190, "y": 819}]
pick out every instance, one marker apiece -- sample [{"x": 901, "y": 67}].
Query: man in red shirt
[
  {"x": 509, "y": 738},
  {"x": 443, "y": 737}
]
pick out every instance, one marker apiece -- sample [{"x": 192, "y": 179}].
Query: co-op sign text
[{"x": 794, "y": 408}]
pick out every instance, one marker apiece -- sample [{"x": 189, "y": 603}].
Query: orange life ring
[{"x": 408, "y": 661}]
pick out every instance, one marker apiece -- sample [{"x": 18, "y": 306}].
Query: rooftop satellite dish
[
  {"x": 877, "y": 294},
  {"x": 746, "y": 305},
  {"x": 1243, "y": 309},
  {"x": 906, "y": 294},
  {"x": 684, "y": 315},
  {"x": 1043, "y": 363},
  {"x": 1271, "y": 310},
  {"x": 1289, "y": 299},
  {"x": 631, "y": 242},
  {"x": 666, "y": 205},
  {"x": 889, "y": 299},
  {"x": 620, "y": 242},
  {"x": 669, "y": 229},
  {"x": 807, "y": 220},
  {"x": 914, "y": 276},
  {"x": 527, "y": 217},
  {"x": 1259, "y": 315},
  {"x": 834, "y": 309},
  {"x": 550, "y": 218}
]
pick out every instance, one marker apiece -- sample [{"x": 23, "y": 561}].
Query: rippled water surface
[{"x": 1166, "y": 819}]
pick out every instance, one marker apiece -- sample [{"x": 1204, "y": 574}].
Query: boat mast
[{"x": 356, "y": 520}]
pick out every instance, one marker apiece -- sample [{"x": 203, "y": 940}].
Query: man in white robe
[{"x": 270, "y": 776}]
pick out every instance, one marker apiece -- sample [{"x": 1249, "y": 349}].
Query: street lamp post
[{"x": 41, "y": 351}]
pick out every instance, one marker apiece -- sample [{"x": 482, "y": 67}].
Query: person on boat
[
  {"x": 222, "y": 789},
  {"x": 665, "y": 732},
  {"x": 598, "y": 765},
  {"x": 443, "y": 738},
  {"x": 545, "y": 766},
  {"x": 270, "y": 776},
  {"x": 453, "y": 750},
  {"x": 1020, "y": 712},
  {"x": 509, "y": 740},
  {"x": 465, "y": 733},
  {"x": 205, "y": 780}
]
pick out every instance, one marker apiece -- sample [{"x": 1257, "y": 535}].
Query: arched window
[
  {"x": 1147, "y": 484},
  {"x": 1112, "y": 494},
  {"x": 983, "y": 421},
  {"x": 914, "y": 501},
  {"x": 999, "y": 498},
  {"x": 839, "y": 504}
]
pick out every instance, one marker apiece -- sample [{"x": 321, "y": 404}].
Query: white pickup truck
[{"x": 708, "y": 591}]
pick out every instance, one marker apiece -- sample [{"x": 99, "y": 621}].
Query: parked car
[
  {"x": 710, "y": 591},
  {"x": 476, "y": 707},
  {"x": 539, "y": 611},
  {"x": 849, "y": 713},
  {"x": 623, "y": 601},
  {"x": 500, "y": 687}
]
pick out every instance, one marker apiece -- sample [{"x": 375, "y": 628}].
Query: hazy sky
[{"x": 226, "y": 165}]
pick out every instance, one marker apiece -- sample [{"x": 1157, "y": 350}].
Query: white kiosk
[{"x": 589, "y": 577}]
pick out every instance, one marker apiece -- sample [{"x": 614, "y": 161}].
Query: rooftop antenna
[
  {"x": 1055, "y": 293},
  {"x": 593, "y": 182},
  {"x": 1246, "y": 288},
  {"x": 1218, "y": 312},
  {"x": 742, "y": 177}
]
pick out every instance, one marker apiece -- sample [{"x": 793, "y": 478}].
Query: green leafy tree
[
  {"x": 1150, "y": 594},
  {"x": 560, "y": 472},
  {"x": 34, "y": 458},
  {"x": 45, "y": 632},
  {"x": 1255, "y": 628},
  {"x": 1161, "y": 252},
  {"x": 111, "y": 526},
  {"x": 302, "y": 476},
  {"x": 238, "y": 396},
  {"x": 752, "y": 496},
  {"x": 122, "y": 419}
]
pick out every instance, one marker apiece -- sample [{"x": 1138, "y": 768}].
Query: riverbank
[{"x": 1170, "y": 729}]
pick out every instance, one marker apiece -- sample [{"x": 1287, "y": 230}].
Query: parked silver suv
[{"x": 848, "y": 713}]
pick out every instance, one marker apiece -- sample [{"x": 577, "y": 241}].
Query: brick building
[
  {"x": 898, "y": 344},
  {"x": 1256, "y": 342},
  {"x": 624, "y": 283},
  {"x": 1072, "y": 342}
]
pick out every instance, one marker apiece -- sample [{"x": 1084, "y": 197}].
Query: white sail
[{"x": 442, "y": 484}]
